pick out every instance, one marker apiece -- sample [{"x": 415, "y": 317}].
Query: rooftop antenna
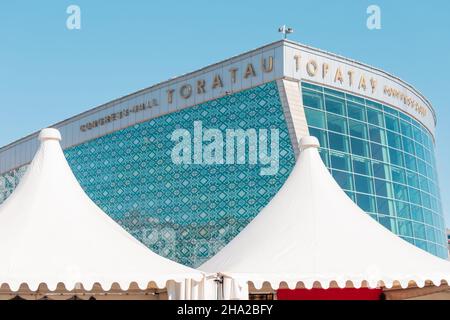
[{"x": 285, "y": 30}]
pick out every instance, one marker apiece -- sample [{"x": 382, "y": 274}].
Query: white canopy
[
  {"x": 311, "y": 231},
  {"x": 51, "y": 232}
]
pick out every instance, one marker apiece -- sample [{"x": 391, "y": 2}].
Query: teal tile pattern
[{"x": 183, "y": 212}]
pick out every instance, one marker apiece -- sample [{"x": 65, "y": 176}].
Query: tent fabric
[
  {"x": 51, "y": 232},
  {"x": 311, "y": 231}
]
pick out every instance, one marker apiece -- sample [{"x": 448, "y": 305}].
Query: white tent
[
  {"x": 52, "y": 233},
  {"x": 312, "y": 232}
]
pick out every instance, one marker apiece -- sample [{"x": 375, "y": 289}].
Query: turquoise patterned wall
[
  {"x": 9, "y": 181},
  {"x": 183, "y": 212}
]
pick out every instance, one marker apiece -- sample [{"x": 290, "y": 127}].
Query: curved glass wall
[{"x": 383, "y": 159}]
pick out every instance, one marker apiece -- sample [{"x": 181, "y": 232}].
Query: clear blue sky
[{"x": 49, "y": 73}]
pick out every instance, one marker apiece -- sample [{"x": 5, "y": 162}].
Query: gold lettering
[
  {"x": 350, "y": 77},
  {"x": 311, "y": 68},
  {"x": 265, "y": 67},
  {"x": 297, "y": 62},
  {"x": 373, "y": 84},
  {"x": 338, "y": 76},
  {"x": 201, "y": 86},
  {"x": 249, "y": 71},
  {"x": 217, "y": 82},
  {"x": 362, "y": 83},
  {"x": 170, "y": 95},
  {"x": 325, "y": 68},
  {"x": 233, "y": 72},
  {"x": 186, "y": 91},
  {"x": 407, "y": 100}
]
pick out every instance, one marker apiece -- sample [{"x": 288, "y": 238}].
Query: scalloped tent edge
[{"x": 52, "y": 233}]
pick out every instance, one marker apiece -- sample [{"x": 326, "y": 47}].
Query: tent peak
[
  {"x": 49, "y": 134},
  {"x": 309, "y": 142}
]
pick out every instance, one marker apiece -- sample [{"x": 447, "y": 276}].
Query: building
[{"x": 376, "y": 133}]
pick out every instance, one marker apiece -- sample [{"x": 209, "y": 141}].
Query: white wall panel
[{"x": 284, "y": 67}]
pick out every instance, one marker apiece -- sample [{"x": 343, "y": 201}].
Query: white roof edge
[
  {"x": 191, "y": 73},
  {"x": 362, "y": 64}
]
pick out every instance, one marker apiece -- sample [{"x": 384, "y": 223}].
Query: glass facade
[{"x": 383, "y": 159}]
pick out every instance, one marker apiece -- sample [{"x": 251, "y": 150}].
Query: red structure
[{"x": 330, "y": 294}]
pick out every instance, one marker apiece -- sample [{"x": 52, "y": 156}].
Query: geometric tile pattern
[
  {"x": 183, "y": 212},
  {"x": 9, "y": 181}
]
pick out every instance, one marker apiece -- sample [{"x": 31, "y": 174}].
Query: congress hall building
[{"x": 144, "y": 158}]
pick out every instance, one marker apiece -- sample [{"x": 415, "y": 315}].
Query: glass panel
[
  {"x": 416, "y": 213},
  {"x": 383, "y": 188},
  {"x": 403, "y": 209},
  {"x": 424, "y": 184},
  {"x": 420, "y": 152},
  {"x": 338, "y": 142},
  {"x": 362, "y": 166},
  {"x": 334, "y": 92},
  {"x": 410, "y": 162},
  {"x": 363, "y": 184},
  {"x": 356, "y": 111},
  {"x": 377, "y": 135},
  {"x": 405, "y": 228},
  {"x": 311, "y": 86},
  {"x": 404, "y": 117},
  {"x": 408, "y": 145},
  {"x": 391, "y": 122},
  {"x": 359, "y": 147},
  {"x": 315, "y": 118},
  {"x": 355, "y": 99},
  {"x": 312, "y": 99},
  {"x": 390, "y": 110},
  {"x": 419, "y": 230},
  {"x": 413, "y": 179},
  {"x": 426, "y": 201},
  {"x": 400, "y": 192},
  {"x": 421, "y": 167},
  {"x": 375, "y": 117},
  {"x": 321, "y": 135},
  {"x": 394, "y": 140},
  {"x": 336, "y": 123},
  {"x": 398, "y": 175},
  {"x": 344, "y": 179},
  {"x": 427, "y": 216},
  {"x": 417, "y": 134},
  {"x": 366, "y": 202},
  {"x": 340, "y": 161},
  {"x": 396, "y": 157},
  {"x": 381, "y": 171},
  {"x": 373, "y": 104},
  {"x": 421, "y": 244},
  {"x": 385, "y": 206},
  {"x": 406, "y": 129},
  {"x": 334, "y": 105},
  {"x": 358, "y": 129},
  {"x": 388, "y": 223},
  {"x": 430, "y": 234},
  {"x": 379, "y": 153},
  {"x": 414, "y": 196}
]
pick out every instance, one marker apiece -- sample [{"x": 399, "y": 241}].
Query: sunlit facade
[{"x": 376, "y": 133}]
